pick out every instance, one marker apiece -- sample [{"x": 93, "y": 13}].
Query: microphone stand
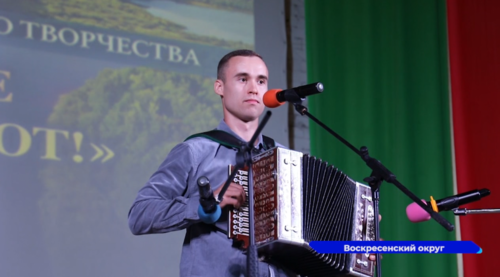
[
  {"x": 379, "y": 173},
  {"x": 464, "y": 211},
  {"x": 244, "y": 157}
]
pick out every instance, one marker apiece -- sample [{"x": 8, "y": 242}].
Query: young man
[{"x": 170, "y": 199}]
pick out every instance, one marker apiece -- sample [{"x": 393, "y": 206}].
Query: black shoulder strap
[
  {"x": 268, "y": 142},
  {"x": 220, "y": 137},
  {"x": 229, "y": 140}
]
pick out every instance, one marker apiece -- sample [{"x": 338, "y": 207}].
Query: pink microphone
[{"x": 416, "y": 214}]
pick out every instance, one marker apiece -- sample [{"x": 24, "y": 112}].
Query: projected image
[
  {"x": 208, "y": 18},
  {"x": 202, "y": 22},
  {"x": 93, "y": 96}
]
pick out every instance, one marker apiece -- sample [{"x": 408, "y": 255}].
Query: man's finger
[
  {"x": 229, "y": 201},
  {"x": 239, "y": 192},
  {"x": 236, "y": 193},
  {"x": 373, "y": 257}
]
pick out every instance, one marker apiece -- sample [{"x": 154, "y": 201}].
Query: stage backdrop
[
  {"x": 387, "y": 67},
  {"x": 93, "y": 95}
]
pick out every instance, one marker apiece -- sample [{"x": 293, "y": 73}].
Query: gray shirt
[{"x": 169, "y": 202}]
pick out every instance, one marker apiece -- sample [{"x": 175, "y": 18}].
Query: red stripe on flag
[{"x": 474, "y": 49}]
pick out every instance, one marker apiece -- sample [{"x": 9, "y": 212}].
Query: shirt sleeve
[{"x": 166, "y": 203}]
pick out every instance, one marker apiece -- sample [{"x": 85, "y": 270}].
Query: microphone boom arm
[
  {"x": 464, "y": 211},
  {"x": 380, "y": 172}
]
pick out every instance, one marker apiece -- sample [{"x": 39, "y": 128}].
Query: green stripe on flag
[{"x": 385, "y": 70}]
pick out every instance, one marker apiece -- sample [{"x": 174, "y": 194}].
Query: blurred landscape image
[{"x": 74, "y": 218}]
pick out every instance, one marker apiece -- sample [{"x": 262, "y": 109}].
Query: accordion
[{"x": 299, "y": 199}]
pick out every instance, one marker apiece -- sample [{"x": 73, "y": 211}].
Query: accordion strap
[{"x": 229, "y": 140}]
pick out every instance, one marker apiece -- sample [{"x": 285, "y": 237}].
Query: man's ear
[{"x": 219, "y": 87}]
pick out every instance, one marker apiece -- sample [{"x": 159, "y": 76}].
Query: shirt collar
[{"x": 224, "y": 127}]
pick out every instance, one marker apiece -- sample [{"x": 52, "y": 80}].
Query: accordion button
[
  {"x": 293, "y": 229},
  {"x": 362, "y": 262}
]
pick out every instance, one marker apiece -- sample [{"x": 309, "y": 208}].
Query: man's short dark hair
[{"x": 223, "y": 62}]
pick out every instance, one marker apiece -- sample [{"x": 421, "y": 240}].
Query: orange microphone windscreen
[{"x": 270, "y": 99}]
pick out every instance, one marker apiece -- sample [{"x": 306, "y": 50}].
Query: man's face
[{"x": 245, "y": 82}]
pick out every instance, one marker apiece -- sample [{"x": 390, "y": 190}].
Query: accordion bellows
[{"x": 299, "y": 199}]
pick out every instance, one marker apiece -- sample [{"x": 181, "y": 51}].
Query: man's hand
[{"x": 235, "y": 196}]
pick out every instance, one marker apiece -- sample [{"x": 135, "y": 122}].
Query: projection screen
[{"x": 93, "y": 95}]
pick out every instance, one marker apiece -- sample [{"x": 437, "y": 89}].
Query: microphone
[
  {"x": 208, "y": 211},
  {"x": 276, "y": 97},
  {"x": 416, "y": 214}
]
